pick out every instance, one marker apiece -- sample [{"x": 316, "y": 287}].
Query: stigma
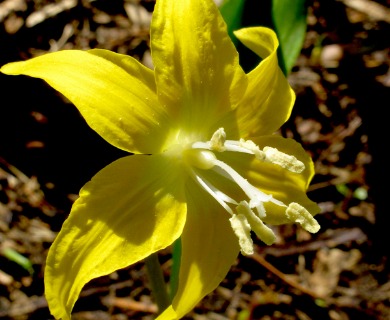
[{"x": 247, "y": 209}]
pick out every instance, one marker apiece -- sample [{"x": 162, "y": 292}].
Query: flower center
[{"x": 247, "y": 211}]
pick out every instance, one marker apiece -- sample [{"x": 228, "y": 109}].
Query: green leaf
[
  {"x": 289, "y": 18},
  {"x": 231, "y": 11},
  {"x": 16, "y": 257}
]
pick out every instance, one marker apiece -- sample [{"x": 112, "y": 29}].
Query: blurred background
[{"x": 342, "y": 80}]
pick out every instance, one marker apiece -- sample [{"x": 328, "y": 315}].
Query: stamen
[
  {"x": 284, "y": 160},
  {"x": 261, "y": 210},
  {"x": 254, "y": 148},
  {"x": 234, "y": 146},
  {"x": 247, "y": 214},
  {"x": 217, "y": 142},
  {"x": 215, "y": 193},
  {"x": 296, "y": 213},
  {"x": 264, "y": 233},
  {"x": 242, "y": 230},
  {"x": 255, "y": 195}
]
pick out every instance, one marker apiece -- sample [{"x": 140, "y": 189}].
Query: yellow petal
[
  {"x": 168, "y": 314},
  {"x": 130, "y": 209},
  {"x": 114, "y": 93},
  {"x": 209, "y": 249},
  {"x": 196, "y": 63},
  {"x": 273, "y": 179},
  {"x": 269, "y": 98}
]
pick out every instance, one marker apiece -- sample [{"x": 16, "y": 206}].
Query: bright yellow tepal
[{"x": 207, "y": 166}]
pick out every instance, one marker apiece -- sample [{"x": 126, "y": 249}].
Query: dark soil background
[{"x": 47, "y": 152}]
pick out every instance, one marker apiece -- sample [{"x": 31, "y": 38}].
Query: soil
[{"x": 47, "y": 153}]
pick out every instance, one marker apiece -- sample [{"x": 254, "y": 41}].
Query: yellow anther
[
  {"x": 264, "y": 233},
  {"x": 284, "y": 160},
  {"x": 251, "y": 146},
  {"x": 242, "y": 230},
  {"x": 298, "y": 214},
  {"x": 218, "y": 139}
]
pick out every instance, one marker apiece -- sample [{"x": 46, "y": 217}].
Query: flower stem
[
  {"x": 174, "y": 278},
  {"x": 157, "y": 282}
]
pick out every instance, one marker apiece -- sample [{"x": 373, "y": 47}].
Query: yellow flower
[{"x": 206, "y": 165}]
